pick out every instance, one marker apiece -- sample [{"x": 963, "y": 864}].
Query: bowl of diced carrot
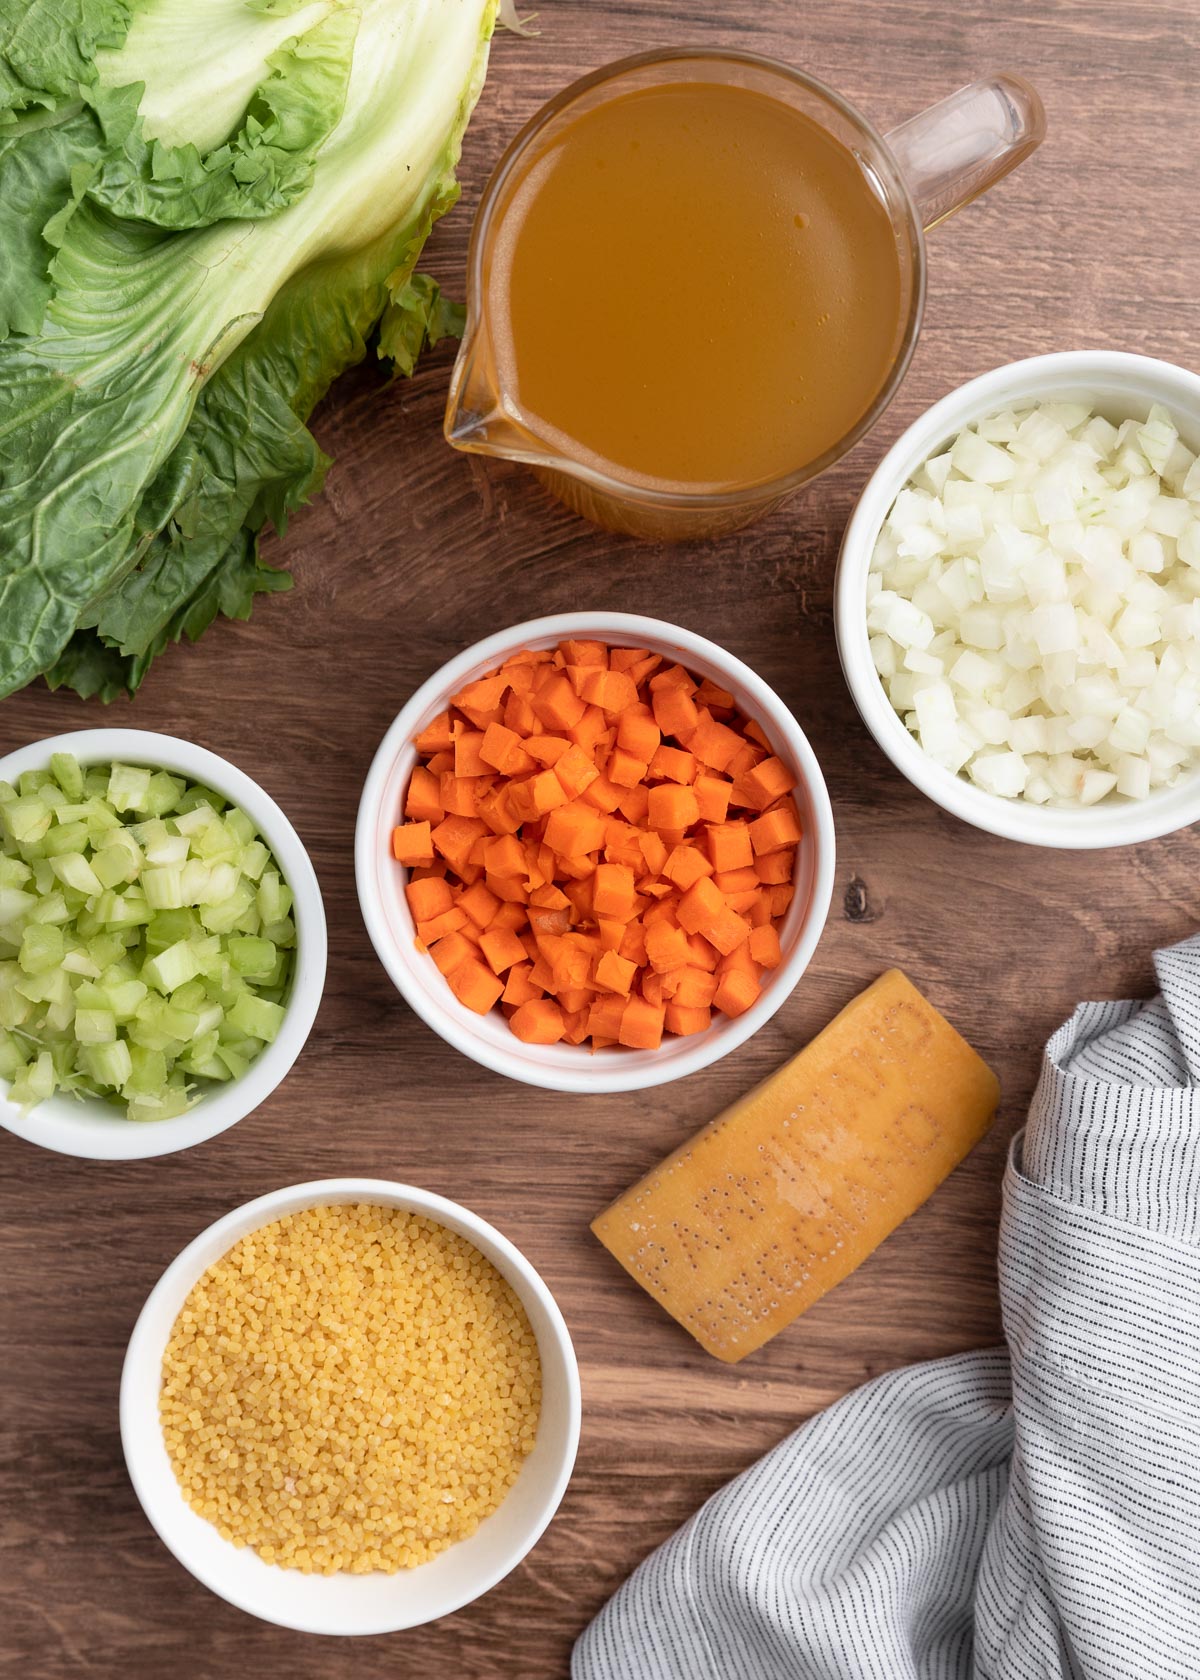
[{"x": 595, "y": 852}]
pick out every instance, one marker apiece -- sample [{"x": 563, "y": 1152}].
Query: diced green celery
[
  {"x": 208, "y": 1020},
  {"x": 124, "y": 997},
  {"x": 253, "y": 859},
  {"x": 14, "y": 903},
  {"x": 109, "y": 1064},
  {"x": 224, "y": 883},
  {"x": 224, "y": 986},
  {"x": 172, "y": 849},
  {"x": 119, "y": 859},
  {"x": 33, "y": 781},
  {"x": 173, "y": 1102},
  {"x": 129, "y": 787},
  {"x": 76, "y": 961},
  {"x": 26, "y": 819},
  {"x": 212, "y": 1068},
  {"x": 169, "y": 926},
  {"x": 123, "y": 910},
  {"x": 274, "y": 897},
  {"x": 105, "y": 950},
  {"x": 256, "y": 1017},
  {"x": 101, "y": 820},
  {"x": 95, "y": 1026},
  {"x": 14, "y": 872},
  {"x": 74, "y": 870},
  {"x": 163, "y": 887},
  {"x": 197, "y": 795},
  {"x": 52, "y": 907},
  {"x": 12, "y": 1056},
  {"x": 209, "y": 955},
  {"x": 59, "y": 1018},
  {"x": 7, "y": 792},
  {"x": 236, "y": 1060},
  {"x": 254, "y": 958},
  {"x": 43, "y": 876},
  {"x": 152, "y": 832},
  {"x": 66, "y": 772},
  {"x": 190, "y": 996},
  {"x": 281, "y": 933},
  {"x": 35, "y": 1082},
  {"x": 95, "y": 781},
  {"x": 239, "y": 825},
  {"x": 194, "y": 881},
  {"x": 164, "y": 793},
  {"x": 172, "y": 967},
  {"x": 41, "y": 949},
  {"x": 148, "y": 1075},
  {"x": 224, "y": 917},
  {"x": 54, "y": 986},
  {"x": 203, "y": 1046},
  {"x": 65, "y": 837},
  {"x": 15, "y": 1009}
]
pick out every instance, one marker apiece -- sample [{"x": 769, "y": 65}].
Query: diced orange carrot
[
  {"x": 586, "y": 653},
  {"x": 480, "y": 904},
  {"x": 781, "y": 898},
  {"x": 775, "y": 868},
  {"x": 502, "y": 748},
  {"x": 671, "y": 764},
  {"x": 428, "y": 898},
  {"x": 712, "y": 796},
  {"x": 546, "y": 792},
  {"x": 633, "y": 943},
  {"x": 696, "y": 987},
  {"x": 451, "y": 952},
  {"x": 517, "y": 987},
  {"x": 713, "y": 743},
  {"x": 575, "y": 1024},
  {"x": 736, "y": 993},
  {"x": 674, "y": 710},
  {"x": 638, "y": 734},
  {"x": 611, "y": 932},
  {"x": 510, "y": 889},
  {"x": 635, "y": 804},
  {"x": 654, "y": 851},
  {"x": 475, "y": 986},
  {"x": 572, "y": 829},
  {"x": 518, "y": 715},
  {"x": 437, "y": 927},
  {"x": 467, "y": 759},
  {"x": 759, "y": 786},
  {"x": 557, "y": 705},
  {"x": 604, "y": 1015},
  {"x": 775, "y": 829},
  {"x": 685, "y": 1021},
  {"x": 672, "y": 807},
  {"x": 453, "y": 838},
  {"x": 733, "y": 881},
  {"x": 549, "y": 897},
  {"x": 589, "y": 730},
  {"x": 728, "y": 846},
  {"x": 436, "y": 736},
  {"x": 413, "y": 843},
  {"x": 624, "y": 770},
  {"x": 575, "y": 770},
  {"x": 547, "y": 749},
  {"x": 709, "y": 694},
  {"x": 685, "y": 865},
  {"x": 602, "y": 794},
  {"x": 674, "y": 676},
  {"x": 615, "y": 973},
  {"x": 538, "y": 1022},
  {"x": 460, "y": 794},
  {"x": 502, "y": 949},
  {"x": 738, "y": 961},
  {"x": 641, "y": 1025},
  {"x": 700, "y": 906},
  {"x": 612, "y": 890},
  {"x": 666, "y": 946},
  {"x": 512, "y": 916},
  {"x": 423, "y": 801},
  {"x": 552, "y": 922},
  {"x": 502, "y": 855},
  {"x": 765, "y": 947},
  {"x": 744, "y": 760},
  {"x": 439, "y": 762},
  {"x": 612, "y": 691},
  {"x": 727, "y": 931}
]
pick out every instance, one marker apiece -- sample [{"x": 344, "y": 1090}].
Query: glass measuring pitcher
[{"x": 914, "y": 178}]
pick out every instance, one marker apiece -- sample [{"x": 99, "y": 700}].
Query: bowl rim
[
  {"x": 145, "y": 1349},
  {"x": 87, "y": 1129},
  {"x": 1137, "y": 377},
  {"x": 590, "y": 1074}
]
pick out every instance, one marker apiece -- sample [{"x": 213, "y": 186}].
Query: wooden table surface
[{"x": 412, "y": 553}]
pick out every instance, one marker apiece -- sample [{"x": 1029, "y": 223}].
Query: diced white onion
[{"x": 1034, "y": 605}]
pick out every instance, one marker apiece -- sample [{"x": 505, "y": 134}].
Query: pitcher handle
[{"x": 964, "y": 144}]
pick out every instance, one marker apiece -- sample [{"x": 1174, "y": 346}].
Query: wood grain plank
[{"x": 413, "y": 552}]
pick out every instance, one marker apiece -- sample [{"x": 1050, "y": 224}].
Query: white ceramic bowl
[
  {"x": 350, "y": 1604},
  {"x": 92, "y": 1128},
  {"x": 1119, "y": 386},
  {"x": 566, "y": 1067}
]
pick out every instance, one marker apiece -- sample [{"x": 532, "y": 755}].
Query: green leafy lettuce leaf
[{"x": 155, "y": 420}]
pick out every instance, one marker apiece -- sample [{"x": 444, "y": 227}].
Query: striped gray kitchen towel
[{"x": 1020, "y": 1514}]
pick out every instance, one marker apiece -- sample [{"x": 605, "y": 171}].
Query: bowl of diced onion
[
  {"x": 162, "y": 944},
  {"x": 1018, "y": 601}
]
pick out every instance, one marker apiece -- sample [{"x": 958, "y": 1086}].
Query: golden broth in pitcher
[{"x": 694, "y": 285}]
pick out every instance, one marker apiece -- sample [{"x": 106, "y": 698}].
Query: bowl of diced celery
[{"x": 162, "y": 944}]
